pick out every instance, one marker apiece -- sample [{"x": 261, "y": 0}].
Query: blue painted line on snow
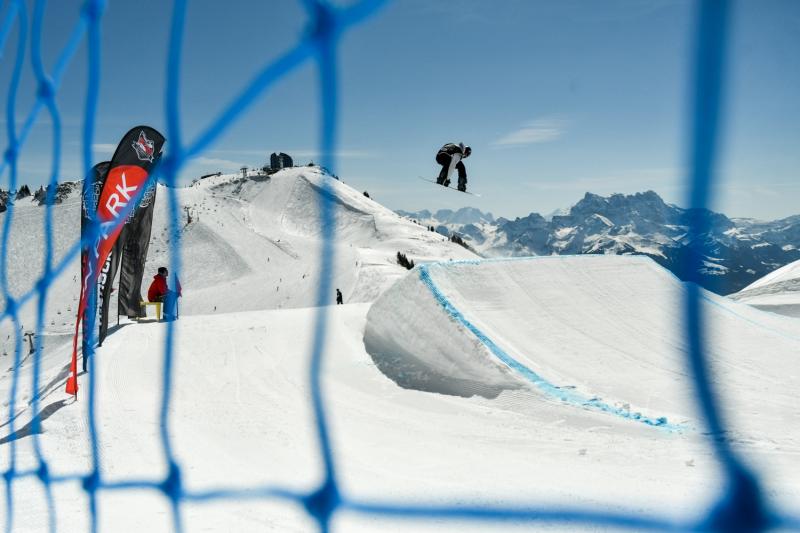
[{"x": 542, "y": 384}]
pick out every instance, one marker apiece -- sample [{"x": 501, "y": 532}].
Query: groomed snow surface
[
  {"x": 551, "y": 381},
  {"x": 777, "y": 292}
]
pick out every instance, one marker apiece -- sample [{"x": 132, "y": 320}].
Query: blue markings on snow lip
[{"x": 542, "y": 384}]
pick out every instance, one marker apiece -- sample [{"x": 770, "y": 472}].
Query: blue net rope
[{"x": 741, "y": 507}]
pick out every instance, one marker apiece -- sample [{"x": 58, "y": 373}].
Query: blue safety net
[{"x": 741, "y": 507}]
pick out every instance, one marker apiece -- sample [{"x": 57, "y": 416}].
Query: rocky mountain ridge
[{"x": 740, "y": 250}]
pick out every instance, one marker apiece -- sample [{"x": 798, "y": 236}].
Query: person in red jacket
[
  {"x": 159, "y": 292},
  {"x": 158, "y": 289}
]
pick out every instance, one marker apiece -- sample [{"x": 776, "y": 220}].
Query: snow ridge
[{"x": 542, "y": 384}]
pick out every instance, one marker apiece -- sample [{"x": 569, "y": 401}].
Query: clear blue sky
[{"x": 556, "y": 98}]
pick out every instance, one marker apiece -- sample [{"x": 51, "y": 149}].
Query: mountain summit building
[{"x": 279, "y": 161}]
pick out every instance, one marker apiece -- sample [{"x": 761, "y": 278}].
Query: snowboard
[{"x": 448, "y": 187}]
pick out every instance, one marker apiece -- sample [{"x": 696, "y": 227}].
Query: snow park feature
[
  {"x": 778, "y": 291},
  {"x": 520, "y": 400},
  {"x": 590, "y": 331}
]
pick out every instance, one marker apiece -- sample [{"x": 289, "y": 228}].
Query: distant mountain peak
[
  {"x": 464, "y": 215},
  {"x": 595, "y": 203}
]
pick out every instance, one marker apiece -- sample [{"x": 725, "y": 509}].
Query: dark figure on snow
[
  {"x": 339, "y": 297},
  {"x": 159, "y": 292},
  {"x": 451, "y": 157}
]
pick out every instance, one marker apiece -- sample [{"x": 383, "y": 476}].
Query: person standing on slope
[{"x": 451, "y": 157}]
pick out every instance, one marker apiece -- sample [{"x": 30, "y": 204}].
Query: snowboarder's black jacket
[{"x": 451, "y": 149}]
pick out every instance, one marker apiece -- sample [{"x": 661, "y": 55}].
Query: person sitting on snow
[
  {"x": 159, "y": 292},
  {"x": 451, "y": 156}
]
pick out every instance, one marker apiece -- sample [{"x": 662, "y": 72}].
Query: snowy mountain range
[{"x": 743, "y": 250}]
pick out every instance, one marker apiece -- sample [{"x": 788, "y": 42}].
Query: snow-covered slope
[
  {"x": 257, "y": 244},
  {"x": 597, "y": 332},
  {"x": 25, "y": 263},
  {"x": 778, "y": 291},
  {"x": 600, "y": 328},
  {"x": 604, "y": 331},
  {"x": 252, "y": 244}
]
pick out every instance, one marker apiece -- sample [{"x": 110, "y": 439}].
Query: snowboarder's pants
[{"x": 446, "y": 160}]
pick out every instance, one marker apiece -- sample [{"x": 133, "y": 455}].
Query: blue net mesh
[{"x": 741, "y": 506}]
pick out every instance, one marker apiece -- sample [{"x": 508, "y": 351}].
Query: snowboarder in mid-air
[{"x": 451, "y": 156}]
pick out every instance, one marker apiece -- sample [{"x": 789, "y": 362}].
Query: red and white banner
[{"x": 127, "y": 176}]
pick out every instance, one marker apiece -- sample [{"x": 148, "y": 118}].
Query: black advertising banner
[
  {"x": 90, "y": 194},
  {"x": 127, "y": 174},
  {"x": 137, "y": 146},
  {"x": 105, "y": 282},
  {"x": 136, "y": 243}
]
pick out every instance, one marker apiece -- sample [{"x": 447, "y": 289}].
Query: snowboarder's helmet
[{"x": 467, "y": 151}]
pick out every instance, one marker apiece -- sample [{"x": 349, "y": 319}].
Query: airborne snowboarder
[{"x": 451, "y": 156}]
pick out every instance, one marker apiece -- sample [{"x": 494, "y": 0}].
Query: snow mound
[
  {"x": 785, "y": 273},
  {"x": 777, "y": 292},
  {"x": 598, "y": 332},
  {"x": 415, "y": 344}
]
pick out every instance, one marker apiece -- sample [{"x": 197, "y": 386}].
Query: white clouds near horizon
[{"x": 537, "y": 131}]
